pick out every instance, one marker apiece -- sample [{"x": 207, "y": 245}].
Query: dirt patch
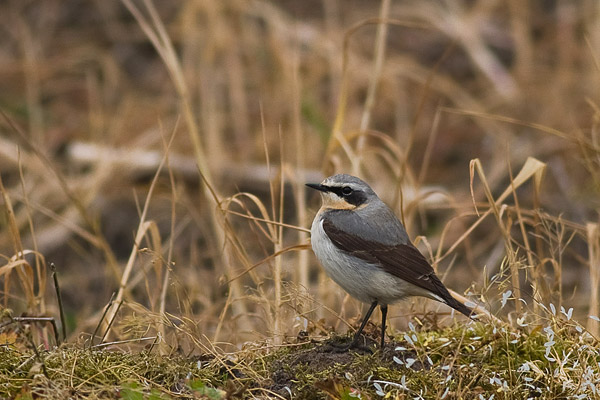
[{"x": 305, "y": 372}]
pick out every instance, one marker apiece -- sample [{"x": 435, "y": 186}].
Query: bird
[{"x": 366, "y": 250}]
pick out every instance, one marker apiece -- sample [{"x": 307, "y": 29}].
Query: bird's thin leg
[
  {"x": 383, "y": 319},
  {"x": 363, "y": 324},
  {"x": 354, "y": 344}
]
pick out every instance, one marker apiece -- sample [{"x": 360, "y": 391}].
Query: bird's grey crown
[{"x": 355, "y": 183}]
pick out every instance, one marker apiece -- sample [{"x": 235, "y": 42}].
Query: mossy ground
[{"x": 558, "y": 360}]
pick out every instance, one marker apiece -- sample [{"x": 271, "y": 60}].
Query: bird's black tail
[
  {"x": 460, "y": 307},
  {"x": 443, "y": 295}
]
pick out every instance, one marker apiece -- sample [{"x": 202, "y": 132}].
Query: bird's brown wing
[{"x": 401, "y": 260}]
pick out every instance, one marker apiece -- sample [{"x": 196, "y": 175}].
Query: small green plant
[
  {"x": 200, "y": 387},
  {"x": 134, "y": 391}
]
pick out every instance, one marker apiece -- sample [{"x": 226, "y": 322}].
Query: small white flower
[
  {"x": 524, "y": 368},
  {"x": 568, "y": 313},
  {"x": 443, "y": 396},
  {"x": 470, "y": 304},
  {"x": 505, "y": 297},
  {"x": 521, "y": 321}
]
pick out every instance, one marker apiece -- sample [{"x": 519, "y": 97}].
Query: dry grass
[{"x": 156, "y": 153}]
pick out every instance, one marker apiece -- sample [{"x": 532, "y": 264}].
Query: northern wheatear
[{"x": 365, "y": 249}]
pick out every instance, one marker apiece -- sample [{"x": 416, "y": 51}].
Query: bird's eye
[{"x": 346, "y": 190}]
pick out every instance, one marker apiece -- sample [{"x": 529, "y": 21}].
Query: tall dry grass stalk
[
  {"x": 379, "y": 57},
  {"x": 145, "y": 229},
  {"x": 298, "y": 177},
  {"x": 593, "y": 238},
  {"x": 513, "y": 262},
  {"x": 17, "y": 262}
]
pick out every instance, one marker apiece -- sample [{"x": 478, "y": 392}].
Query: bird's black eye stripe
[
  {"x": 340, "y": 191},
  {"x": 356, "y": 197}
]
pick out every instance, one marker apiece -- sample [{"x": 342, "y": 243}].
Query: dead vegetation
[{"x": 156, "y": 153}]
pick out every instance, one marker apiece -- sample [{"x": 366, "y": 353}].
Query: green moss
[
  {"x": 459, "y": 361},
  {"x": 556, "y": 360},
  {"x": 69, "y": 369}
]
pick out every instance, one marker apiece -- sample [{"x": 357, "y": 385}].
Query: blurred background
[{"x": 156, "y": 152}]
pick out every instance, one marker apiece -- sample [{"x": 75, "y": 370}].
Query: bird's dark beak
[{"x": 317, "y": 186}]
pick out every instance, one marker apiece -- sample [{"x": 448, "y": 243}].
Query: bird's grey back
[{"x": 375, "y": 222}]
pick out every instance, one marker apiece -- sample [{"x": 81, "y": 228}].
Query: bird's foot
[{"x": 336, "y": 347}]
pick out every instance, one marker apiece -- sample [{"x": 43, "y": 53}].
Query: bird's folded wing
[{"x": 401, "y": 260}]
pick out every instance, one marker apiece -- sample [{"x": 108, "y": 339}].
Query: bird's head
[{"x": 344, "y": 192}]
